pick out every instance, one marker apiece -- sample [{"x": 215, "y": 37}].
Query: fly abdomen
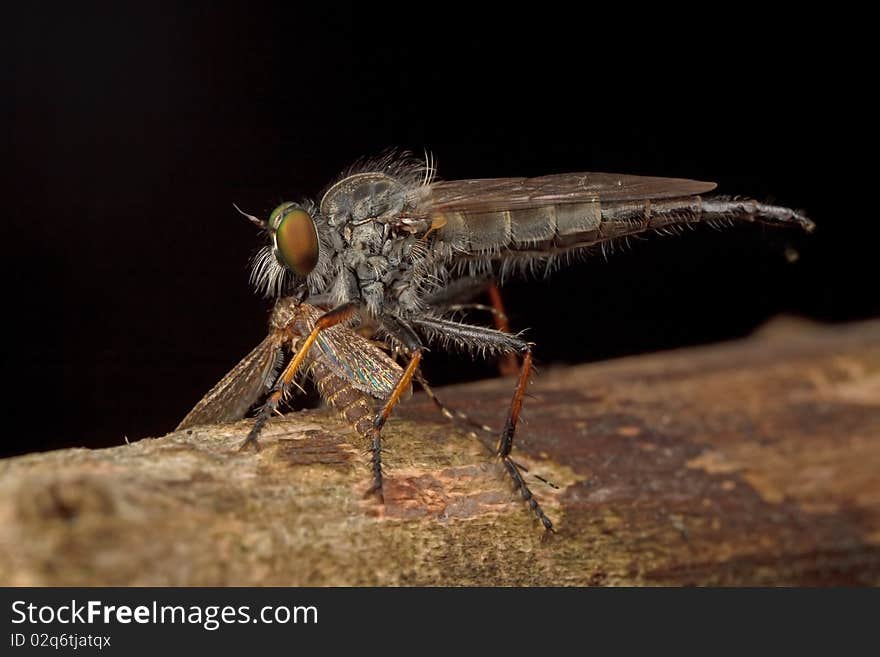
[
  {"x": 486, "y": 232},
  {"x": 629, "y": 218},
  {"x": 568, "y": 226},
  {"x": 348, "y": 401}
]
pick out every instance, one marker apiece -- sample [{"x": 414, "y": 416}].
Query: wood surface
[{"x": 744, "y": 463}]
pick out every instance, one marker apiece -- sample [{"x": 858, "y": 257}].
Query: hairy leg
[
  {"x": 490, "y": 341},
  {"x": 405, "y": 336},
  {"x": 328, "y": 319}
]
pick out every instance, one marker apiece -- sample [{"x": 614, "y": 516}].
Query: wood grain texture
[{"x": 753, "y": 462}]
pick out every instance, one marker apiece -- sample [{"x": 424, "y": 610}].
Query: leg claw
[
  {"x": 250, "y": 442},
  {"x": 376, "y": 490}
]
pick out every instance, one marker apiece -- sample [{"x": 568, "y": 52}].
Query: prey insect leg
[
  {"x": 328, "y": 319},
  {"x": 492, "y": 341},
  {"x": 403, "y": 333}
]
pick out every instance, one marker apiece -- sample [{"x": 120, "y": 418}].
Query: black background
[{"x": 132, "y": 132}]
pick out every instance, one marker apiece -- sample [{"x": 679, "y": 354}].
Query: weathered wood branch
[{"x": 755, "y": 462}]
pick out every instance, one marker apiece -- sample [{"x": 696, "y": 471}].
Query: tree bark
[{"x": 752, "y": 462}]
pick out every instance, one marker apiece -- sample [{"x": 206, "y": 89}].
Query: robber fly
[{"x": 389, "y": 245}]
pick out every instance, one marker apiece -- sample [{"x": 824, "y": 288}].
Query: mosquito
[{"x": 391, "y": 246}]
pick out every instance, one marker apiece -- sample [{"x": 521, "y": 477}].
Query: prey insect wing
[
  {"x": 340, "y": 354},
  {"x": 349, "y": 371},
  {"x": 355, "y": 359},
  {"x": 240, "y": 389}
]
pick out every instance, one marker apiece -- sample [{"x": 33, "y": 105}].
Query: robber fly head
[
  {"x": 358, "y": 242},
  {"x": 293, "y": 250},
  {"x": 294, "y": 238}
]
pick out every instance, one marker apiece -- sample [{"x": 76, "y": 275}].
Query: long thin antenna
[{"x": 258, "y": 222}]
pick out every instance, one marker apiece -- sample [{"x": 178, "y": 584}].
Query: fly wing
[
  {"x": 240, "y": 389},
  {"x": 488, "y": 194}
]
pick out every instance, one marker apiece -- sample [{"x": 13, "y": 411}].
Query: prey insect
[
  {"x": 349, "y": 371},
  {"x": 389, "y": 244}
]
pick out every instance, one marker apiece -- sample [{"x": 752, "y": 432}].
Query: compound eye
[{"x": 296, "y": 238}]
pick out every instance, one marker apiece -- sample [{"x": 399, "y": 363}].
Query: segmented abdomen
[
  {"x": 572, "y": 225},
  {"x": 351, "y": 403}
]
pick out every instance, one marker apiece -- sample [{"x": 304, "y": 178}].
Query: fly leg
[
  {"x": 458, "y": 416},
  {"x": 508, "y": 364},
  {"x": 453, "y": 297},
  {"x": 482, "y": 307},
  {"x": 486, "y": 340},
  {"x": 452, "y": 413},
  {"x": 505, "y": 441},
  {"x": 328, "y": 319},
  {"x": 411, "y": 343}
]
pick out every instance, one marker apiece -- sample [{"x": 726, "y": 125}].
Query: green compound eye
[{"x": 296, "y": 239}]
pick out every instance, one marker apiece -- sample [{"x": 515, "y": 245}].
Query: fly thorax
[
  {"x": 367, "y": 238},
  {"x": 344, "y": 286},
  {"x": 408, "y": 297},
  {"x": 363, "y": 196},
  {"x": 374, "y": 252},
  {"x": 373, "y": 295}
]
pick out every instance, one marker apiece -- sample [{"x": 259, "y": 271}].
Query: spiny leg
[
  {"x": 458, "y": 294},
  {"x": 382, "y": 417},
  {"x": 508, "y": 365},
  {"x": 481, "y": 339},
  {"x": 505, "y": 442},
  {"x": 410, "y": 341},
  {"x": 328, "y": 319},
  {"x": 463, "y": 418},
  {"x": 520, "y": 485},
  {"x": 452, "y": 413}
]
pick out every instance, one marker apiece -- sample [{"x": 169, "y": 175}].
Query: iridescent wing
[
  {"x": 240, "y": 389},
  {"x": 346, "y": 353},
  {"x": 358, "y": 361},
  {"x": 488, "y": 194}
]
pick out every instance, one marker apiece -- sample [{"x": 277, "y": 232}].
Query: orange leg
[
  {"x": 376, "y": 443},
  {"x": 505, "y": 442},
  {"x": 328, "y": 319},
  {"x": 508, "y": 364},
  {"x": 504, "y": 342}
]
